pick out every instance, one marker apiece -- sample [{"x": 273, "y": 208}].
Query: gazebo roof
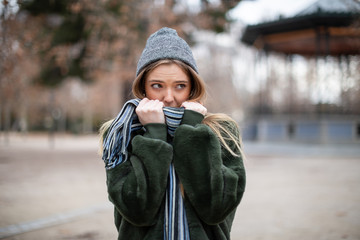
[
  {"x": 332, "y": 6},
  {"x": 327, "y": 27}
]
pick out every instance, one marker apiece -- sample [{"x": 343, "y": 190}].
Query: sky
[{"x": 253, "y": 12}]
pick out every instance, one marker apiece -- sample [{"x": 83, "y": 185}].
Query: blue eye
[
  {"x": 156, "y": 85},
  {"x": 180, "y": 86}
]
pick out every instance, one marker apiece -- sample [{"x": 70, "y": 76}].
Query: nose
[{"x": 169, "y": 97}]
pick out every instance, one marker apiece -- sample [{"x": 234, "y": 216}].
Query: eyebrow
[
  {"x": 177, "y": 81},
  {"x": 155, "y": 80}
]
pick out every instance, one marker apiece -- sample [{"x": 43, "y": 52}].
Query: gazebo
[{"x": 327, "y": 27}]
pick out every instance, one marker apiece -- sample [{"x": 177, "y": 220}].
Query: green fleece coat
[{"x": 212, "y": 178}]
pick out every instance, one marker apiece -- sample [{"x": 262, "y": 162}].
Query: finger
[
  {"x": 147, "y": 104},
  {"x": 191, "y": 105},
  {"x": 150, "y": 107},
  {"x": 143, "y": 102},
  {"x": 184, "y": 104},
  {"x": 195, "y": 106},
  {"x": 154, "y": 105}
]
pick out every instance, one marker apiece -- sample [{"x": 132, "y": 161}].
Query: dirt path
[{"x": 293, "y": 192}]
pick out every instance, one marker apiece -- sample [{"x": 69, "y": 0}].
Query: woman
[{"x": 173, "y": 170}]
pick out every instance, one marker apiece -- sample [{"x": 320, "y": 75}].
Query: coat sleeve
[
  {"x": 213, "y": 179},
  {"x": 137, "y": 187}
]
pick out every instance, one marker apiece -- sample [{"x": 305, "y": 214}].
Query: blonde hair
[{"x": 219, "y": 123}]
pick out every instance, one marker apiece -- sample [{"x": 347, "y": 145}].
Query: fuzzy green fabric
[{"x": 213, "y": 181}]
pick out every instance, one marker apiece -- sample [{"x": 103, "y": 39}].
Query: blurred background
[
  {"x": 287, "y": 72},
  {"x": 283, "y": 71}
]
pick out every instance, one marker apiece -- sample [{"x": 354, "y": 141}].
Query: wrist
[
  {"x": 192, "y": 117},
  {"x": 156, "y": 131}
]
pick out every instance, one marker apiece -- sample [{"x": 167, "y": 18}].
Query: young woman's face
[{"x": 168, "y": 83}]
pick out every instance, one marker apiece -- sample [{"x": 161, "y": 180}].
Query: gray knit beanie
[{"x": 166, "y": 44}]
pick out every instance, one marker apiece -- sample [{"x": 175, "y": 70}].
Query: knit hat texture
[{"x": 166, "y": 44}]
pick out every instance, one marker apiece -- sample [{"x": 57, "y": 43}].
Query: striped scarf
[{"x": 115, "y": 152}]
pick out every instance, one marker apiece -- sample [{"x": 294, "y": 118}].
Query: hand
[
  {"x": 150, "y": 111},
  {"x": 195, "y": 106}
]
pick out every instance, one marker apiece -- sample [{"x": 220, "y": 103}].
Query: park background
[{"x": 67, "y": 66}]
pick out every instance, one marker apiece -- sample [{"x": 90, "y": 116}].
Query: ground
[{"x": 55, "y": 189}]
